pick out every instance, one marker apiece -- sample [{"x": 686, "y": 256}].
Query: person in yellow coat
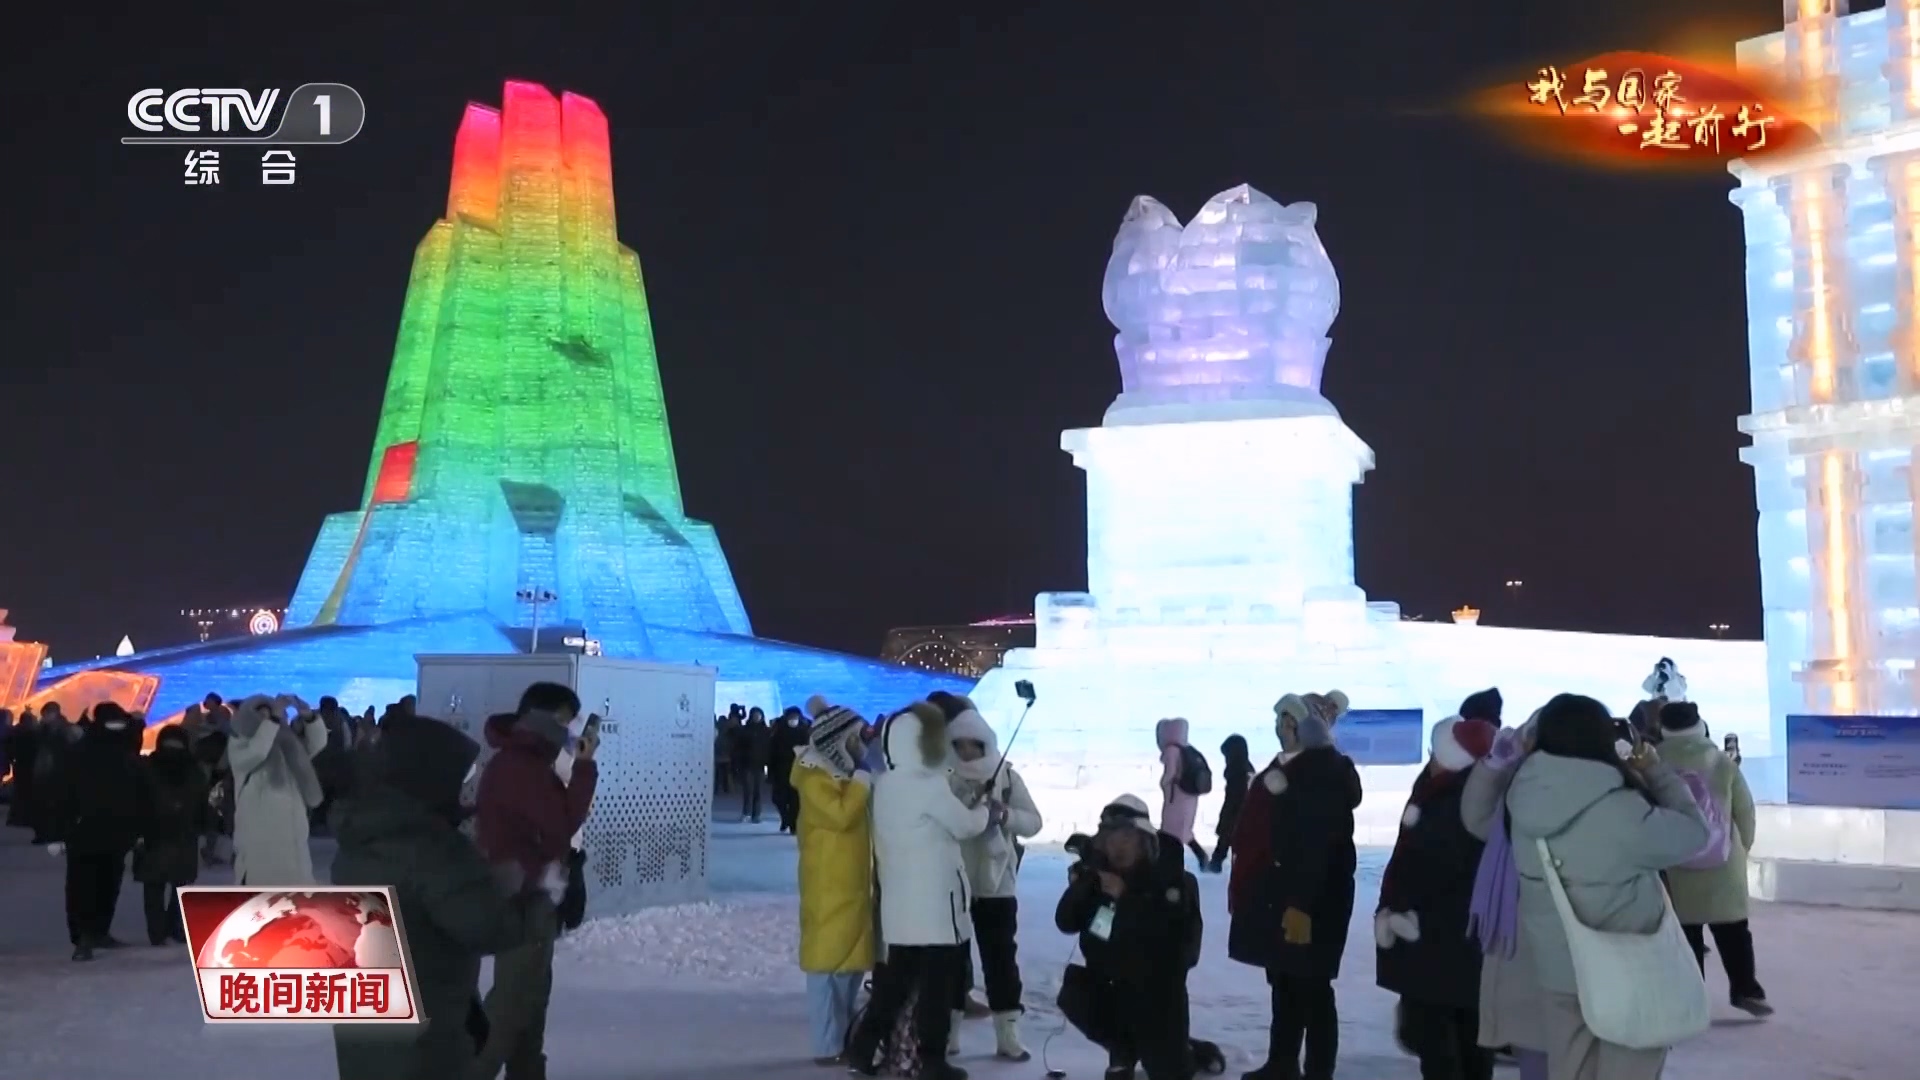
[{"x": 836, "y": 873}]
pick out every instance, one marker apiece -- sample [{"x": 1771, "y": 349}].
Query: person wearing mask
[
  {"x": 398, "y": 827},
  {"x": 919, "y": 825},
  {"x": 526, "y": 814},
  {"x": 1423, "y": 953},
  {"x": 99, "y": 802},
  {"x": 1613, "y": 817},
  {"x": 1509, "y": 1014},
  {"x": 1710, "y": 891},
  {"x": 980, "y": 777},
  {"x": 754, "y": 752},
  {"x": 1252, "y": 844},
  {"x": 1137, "y": 913},
  {"x": 1294, "y": 920},
  {"x": 275, "y": 789},
  {"x": 168, "y": 851},
  {"x": 1179, "y": 801},
  {"x": 788, "y": 740},
  {"x": 1237, "y": 771},
  {"x": 56, "y": 740},
  {"x": 836, "y": 874}
]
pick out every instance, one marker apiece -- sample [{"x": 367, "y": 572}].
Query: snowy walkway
[{"x": 710, "y": 993}]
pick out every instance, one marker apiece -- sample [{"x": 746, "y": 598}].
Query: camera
[
  {"x": 1088, "y": 854},
  {"x": 1025, "y": 690}
]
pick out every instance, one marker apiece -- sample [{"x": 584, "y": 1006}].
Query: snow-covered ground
[{"x": 709, "y": 992}]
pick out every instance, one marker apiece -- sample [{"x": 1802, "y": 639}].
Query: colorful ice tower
[
  {"x": 523, "y": 445},
  {"x": 522, "y": 451},
  {"x": 1833, "y": 288}
]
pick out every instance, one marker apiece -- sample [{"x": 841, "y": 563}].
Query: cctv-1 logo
[{"x": 313, "y": 114}]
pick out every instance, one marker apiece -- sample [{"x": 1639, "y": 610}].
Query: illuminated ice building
[
  {"x": 522, "y": 470},
  {"x": 1220, "y": 547}
]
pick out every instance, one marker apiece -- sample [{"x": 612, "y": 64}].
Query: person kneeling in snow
[
  {"x": 836, "y": 872},
  {"x": 1137, "y": 911}
]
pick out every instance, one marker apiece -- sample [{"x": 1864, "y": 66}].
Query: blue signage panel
[
  {"x": 1382, "y": 736},
  {"x": 1870, "y": 762}
]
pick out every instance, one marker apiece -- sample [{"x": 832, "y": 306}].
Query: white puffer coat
[{"x": 918, "y": 827}]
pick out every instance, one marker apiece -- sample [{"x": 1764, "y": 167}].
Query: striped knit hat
[{"x": 829, "y": 735}]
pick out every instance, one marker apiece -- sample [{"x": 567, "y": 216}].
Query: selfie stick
[{"x": 1018, "y": 724}]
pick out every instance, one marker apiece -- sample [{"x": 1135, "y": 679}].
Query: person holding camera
[
  {"x": 1137, "y": 911},
  {"x": 919, "y": 825}
]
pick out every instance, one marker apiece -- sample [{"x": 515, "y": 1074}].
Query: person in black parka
[
  {"x": 168, "y": 855},
  {"x": 399, "y": 826},
  {"x": 98, "y": 800},
  {"x": 1304, "y": 902},
  {"x": 1238, "y": 770},
  {"x": 1423, "y": 950}
]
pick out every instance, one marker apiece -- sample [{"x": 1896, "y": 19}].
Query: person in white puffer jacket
[
  {"x": 919, "y": 825},
  {"x": 993, "y": 863}
]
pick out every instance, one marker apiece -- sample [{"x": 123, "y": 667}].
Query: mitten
[
  {"x": 56, "y": 849},
  {"x": 1297, "y": 927},
  {"x": 1405, "y": 925},
  {"x": 1382, "y": 932},
  {"x": 553, "y": 882}
]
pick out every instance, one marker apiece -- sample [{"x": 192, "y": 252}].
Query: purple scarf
[{"x": 1495, "y": 912}]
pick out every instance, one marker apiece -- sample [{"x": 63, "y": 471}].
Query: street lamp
[
  {"x": 539, "y": 598},
  {"x": 1513, "y": 593},
  {"x": 1719, "y": 629}
]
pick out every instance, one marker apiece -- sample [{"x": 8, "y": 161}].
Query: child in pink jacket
[{"x": 1178, "y": 807}]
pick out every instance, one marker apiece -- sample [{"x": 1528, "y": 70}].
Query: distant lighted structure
[
  {"x": 1466, "y": 615},
  {"x": 225, "y": 622},
  {"x": 969, "y": 649},
  {"x": 20, "y": 663}
]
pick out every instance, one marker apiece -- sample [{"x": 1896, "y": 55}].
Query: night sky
[{"x": 873, "y": 246}]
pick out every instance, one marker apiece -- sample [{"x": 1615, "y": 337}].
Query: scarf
[{"x": 1493, "y": 916}]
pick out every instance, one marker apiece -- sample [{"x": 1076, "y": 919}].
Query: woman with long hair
[{"x": 1613, "y": 817}]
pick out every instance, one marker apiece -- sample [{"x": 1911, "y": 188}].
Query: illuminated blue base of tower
[{"x": 373, "y": 665}]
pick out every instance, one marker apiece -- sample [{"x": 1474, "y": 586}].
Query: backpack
[
  {"x": 1719, "y": 845},
  {"x": 1196, "y": 777}
]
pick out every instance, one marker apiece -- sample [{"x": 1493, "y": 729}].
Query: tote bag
[{"x": 1640, "y": 991}]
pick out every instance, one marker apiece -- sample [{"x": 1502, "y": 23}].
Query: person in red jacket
[{"x": 526, "y": 812}]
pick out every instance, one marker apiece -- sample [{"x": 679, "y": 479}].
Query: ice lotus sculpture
[{"x": 1233, "y": 306}]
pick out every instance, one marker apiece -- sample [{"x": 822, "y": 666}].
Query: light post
[
  {"x": 1514, "y": 586},
  {"x": 539, "y": 598},
  {"x": 1719, "y": 629}
]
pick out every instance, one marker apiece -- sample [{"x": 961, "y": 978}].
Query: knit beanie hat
[
  {"x": 1484, "y": 705},
  {"x": 831, "y": 723},
  {"x": 1679, "y": 715},
  {"x": 1458, "y": 743}
]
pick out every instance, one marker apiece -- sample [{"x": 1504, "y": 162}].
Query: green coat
[
  {"x": 453, "y": 912},
  {"x": 1719, "y": 895}
]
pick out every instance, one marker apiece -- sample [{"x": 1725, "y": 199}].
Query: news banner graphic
[
  {"x": 320, "y": 954},
  {"x": 1642, "y": 110},
  {"x": 314, "y": 114}
]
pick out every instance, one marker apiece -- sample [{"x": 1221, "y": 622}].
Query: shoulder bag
[{"x": 1640, "y": 991}]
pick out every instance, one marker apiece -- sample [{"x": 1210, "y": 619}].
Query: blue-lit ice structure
[{"x": 1220, "y": 542}]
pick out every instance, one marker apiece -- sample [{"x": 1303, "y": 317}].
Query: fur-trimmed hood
[{"x": 915, "y": 739}]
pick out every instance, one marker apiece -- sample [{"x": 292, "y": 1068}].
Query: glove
[
  {"x": 56, "y": 849},
  {"x": 1382, "y": 933},
  {"x": 1296, "y": 927},
  {"x": 1405, "y": 925},
  {"x": 553, "y": 882}
]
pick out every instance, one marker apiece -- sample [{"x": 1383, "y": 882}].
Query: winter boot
[
  {"x": 82, "y": 953},
  {"x": 1006, "y": 1037},
  {"x": 941, "y": 1069},
  {"x": 1754, "y": 1006},
  {"x": 953, "y": 1032}
]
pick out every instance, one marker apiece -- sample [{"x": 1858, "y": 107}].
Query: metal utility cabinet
[{"x": 646, "y": 837}]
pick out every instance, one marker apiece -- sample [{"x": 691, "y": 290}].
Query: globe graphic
[{"x": 305, "y": 930}]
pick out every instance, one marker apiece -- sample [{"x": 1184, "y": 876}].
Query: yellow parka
[{"x": 836, "y": 870}]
